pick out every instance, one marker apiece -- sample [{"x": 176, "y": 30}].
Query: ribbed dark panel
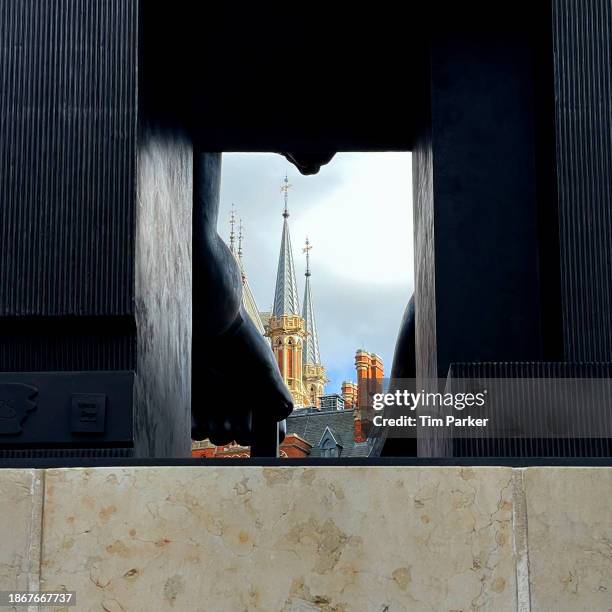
[
  {"x": 533, "y": 446},
  {"x": 583, "y": 89},
  {"x": 531, "y": 369},
  {"x": 63, "y": 453},
  {"x": 67, "y": 344},
  {"x": 67, "y": 156}
]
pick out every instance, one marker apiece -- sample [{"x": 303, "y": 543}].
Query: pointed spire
[
  {"x": 311, "y": 344},
  {"x": 238, "y": 254},
  {"x": 286, "y": 300},
  {"x": 232, "y": 223},
  {"x": 248, "y": 299},
  {"x": 240, "y": 240}
]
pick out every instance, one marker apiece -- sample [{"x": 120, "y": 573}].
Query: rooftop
[{"x": 310, "y": 424}]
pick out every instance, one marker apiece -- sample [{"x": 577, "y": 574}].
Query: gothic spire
[
  {"x": 232, "y": 234},
  {"x": 240, "y": 241},
  {"x": 311, "y": 344},
  {"x": 248, "y": 299},
  {"x": 286, "y": 301}
]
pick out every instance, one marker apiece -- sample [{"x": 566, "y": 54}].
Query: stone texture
[
  {"x": 521, "y": 542},
  {"x": 570, "y": 538},
  {"x": 20, "y": 511},
  {"x": 163, "y": 296},
  {"x": 290, "y": 538},
  {"x": 234, "y": 538}
]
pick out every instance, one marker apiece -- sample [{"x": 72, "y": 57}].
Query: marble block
[
  {"x": 284, "y": 538},
  {"x": 569, "y": 526},
  {"x": 21, "y": 499}
]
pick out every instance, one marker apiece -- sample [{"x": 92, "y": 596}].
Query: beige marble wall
[
  {"x": 21, "y": 498},
  {"x": 281, "y": 539},
  {"x": 570, "y": 538},
  {"x": 300, "y": 539}
]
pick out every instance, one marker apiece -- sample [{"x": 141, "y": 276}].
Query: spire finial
[
  {"x": 285, "y": 189},
  {"x": 307, "y": 250},
  {"x": 232, "y": 223},
  {"x": 240, "y": 240}
]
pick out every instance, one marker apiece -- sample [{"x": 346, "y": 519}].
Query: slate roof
[
  {"x": 265, "y": 317},
  {"x": 248, "y": 299},
  {"x": 310, "y": 425}
]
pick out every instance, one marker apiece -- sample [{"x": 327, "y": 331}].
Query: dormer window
[{"x": 329, "y": 445}]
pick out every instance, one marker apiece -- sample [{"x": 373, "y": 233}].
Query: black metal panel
[
  {"x": 296, "y": 79},
  {"x": 583, "y": 88},
  {"x": 476, "y": 175},
  {"x": 67, "y": 156},
  {"x": 35, "y": 344},
  {"x": 64, "y": 455},
  {"x": 66, "y": 410},
  {"x": 534, "y": 446}
]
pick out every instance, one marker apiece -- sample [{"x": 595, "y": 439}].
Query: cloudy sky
[{"x": 357, "y": 213}]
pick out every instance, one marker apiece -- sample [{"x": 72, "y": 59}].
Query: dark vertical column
[
  {"x": 424, "y": 247},
  {"x": 163, "y": 294},
  {"x": 67, "y": 184},
  {"x": 265, "y": 436},
  {"x": 476, "y": 199},
  {"x": 583, "y": 93},
  {"x": 164, "y": 223},
  {"x": 68, "y": 116}
]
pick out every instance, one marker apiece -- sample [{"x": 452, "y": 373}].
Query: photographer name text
[{"x": 413, "y": 401}]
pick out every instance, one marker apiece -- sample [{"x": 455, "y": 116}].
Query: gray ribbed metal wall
[
  {"x": 583, "y": 92},
  {"x": 532, "y": 405},
  {"x": 67, "y": 156}
]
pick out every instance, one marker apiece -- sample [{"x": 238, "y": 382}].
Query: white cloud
[{"x": 362, "y": 229}]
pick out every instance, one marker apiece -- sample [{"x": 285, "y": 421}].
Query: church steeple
[
  {"x": 285, "y": 327},
  {"x": 232, "y": 234},
  {"x": 311, "y": 345},
  {"x": 286, "y": 301},
  {"x": 314, "y": 372},
  {"x": 240, "y": 241},
  {"x": 248, "y": 299}
]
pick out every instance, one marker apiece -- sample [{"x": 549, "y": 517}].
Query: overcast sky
[{"x": 357, "y": 213}]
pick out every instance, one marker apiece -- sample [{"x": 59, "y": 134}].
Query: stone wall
[{"x": 312, "y": 538}]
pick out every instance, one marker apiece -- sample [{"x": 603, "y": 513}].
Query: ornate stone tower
[
  {"x": 314, "y": 372},
  {"x": 286, "y": 326}
]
